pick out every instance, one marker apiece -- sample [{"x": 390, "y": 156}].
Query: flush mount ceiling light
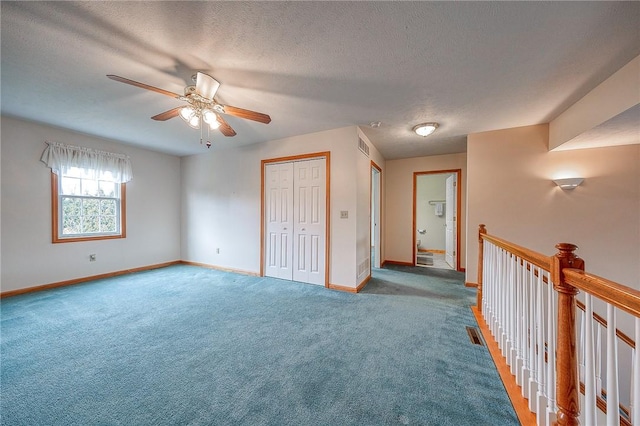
[
  {"x": 425, "y": 129},
  {"x": 570, "y": 183}
]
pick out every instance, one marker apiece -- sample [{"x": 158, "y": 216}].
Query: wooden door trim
[
  {"x": 458, "y": 173},
  {"x": 327, "y": 239}
]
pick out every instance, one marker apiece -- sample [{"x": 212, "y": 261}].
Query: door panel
[
  {"x": 279, "y": 220},
  {"x": 309, "y": 221},
  {"x": 450, "y": 221}
]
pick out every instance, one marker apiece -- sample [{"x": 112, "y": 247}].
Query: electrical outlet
[
  {"x": 92, "y": 258},
  {"x": 344, "y": 214},
  {"x": 218, "y": 251}
]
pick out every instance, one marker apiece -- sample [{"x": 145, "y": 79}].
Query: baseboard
[
  {"x": 363, "y": 284},
  {"x": 74, "y": 281},
  {"x": 220, "y": 268},
  {"x": 434, "y": 251},
  {"x": 397, "y": 263},
  {"x": 520, "y": 403},
  {"x": 343, "y": 288},
  {"x": 468, "y": 284}
]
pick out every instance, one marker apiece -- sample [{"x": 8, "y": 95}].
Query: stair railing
[{"x": 528, "y": 301}]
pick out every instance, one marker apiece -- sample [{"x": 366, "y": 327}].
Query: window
[
  {"x": 86, "y": 206},
  {"x": 87, "y": 192}
]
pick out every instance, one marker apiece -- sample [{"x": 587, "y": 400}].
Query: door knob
[{"x": 303, "y": 229}]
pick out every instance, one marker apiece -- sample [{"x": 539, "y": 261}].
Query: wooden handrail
[
  {"x": 622, "y": 297},
  {"x": 530, "y": 256}
]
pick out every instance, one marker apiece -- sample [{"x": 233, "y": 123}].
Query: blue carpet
[{"x": 191, "y": 346}]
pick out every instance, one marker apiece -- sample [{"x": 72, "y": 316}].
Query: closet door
[
  {"x": 278, "y": 193},
  {"x": 309, "y": 221}
]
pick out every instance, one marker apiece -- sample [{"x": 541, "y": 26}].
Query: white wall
[
  {"x": 398, "y": 219},
  {"x": 221, "y": 202},
  {"x": 510, "y": 190},
  {"x": 28, "y": 256}
]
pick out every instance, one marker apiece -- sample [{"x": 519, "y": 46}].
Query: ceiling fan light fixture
[
  {"x": 187, "y": 113},
  {"x": 425, "y": 129},
  {"x": 194, "y": 122},
  {"x": 209, "y": 116},
  {"x": 214, "y": 124}
]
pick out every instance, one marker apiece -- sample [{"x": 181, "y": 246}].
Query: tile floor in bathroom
[{"x": 432, "y": 260}]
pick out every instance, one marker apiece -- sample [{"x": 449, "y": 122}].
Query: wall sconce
[{"x": 570, "y": 183}]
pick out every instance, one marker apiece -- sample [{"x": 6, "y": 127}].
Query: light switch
[{"x": 344, "y": 214}]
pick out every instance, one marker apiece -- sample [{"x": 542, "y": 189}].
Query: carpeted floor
[{"x": 192, "y": 346}]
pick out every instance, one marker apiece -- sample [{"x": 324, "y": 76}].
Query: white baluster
[
  {"x": 504, "y": 312},
  {"x": 635, "y": 379},
  {"x": 496, "y": 295},
  {"x": 513, "y": 318},
  {"x": 541, "y": 402},
  {"x": 524, "y": 342},
  {"x": 508, "y": 313},
  {"x": 551, "y": 354},
  {"x": 533, "y": 325},
  {"x": 581, "y": 347},
  {"x": 598, "y": 360},
  {"x": 589, "y": 368},
  {"x": 613, "y": 413}
]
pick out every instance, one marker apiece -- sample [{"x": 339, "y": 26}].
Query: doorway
[
  {"x": 294, "y": 218},
  {"x": 375, "y": 215},
  {"x": 436, "y": 228}
]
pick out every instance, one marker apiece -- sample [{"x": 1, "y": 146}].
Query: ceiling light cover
[
  {"x": 570, "y": 183},
  {"x": 209, "y": 116},
  {"x": 214, "y": 124},
  {"x": 425, "y": 129},
  {"x": 186, "y": 113}
]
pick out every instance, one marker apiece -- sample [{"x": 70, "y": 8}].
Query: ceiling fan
[{"x": 201, "y": 105}]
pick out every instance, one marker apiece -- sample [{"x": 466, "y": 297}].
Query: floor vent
[{"x": 474, "y": 336}]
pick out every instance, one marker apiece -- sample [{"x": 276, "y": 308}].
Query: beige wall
[
  {"x": 398, "y": 190},
  {"x": 510, "y": 190}
]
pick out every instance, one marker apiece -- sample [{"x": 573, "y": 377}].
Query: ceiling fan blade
[
  {"x": 224, "y": 128},
  {"x": 248, "y": 114},
  {"x": 206, "y": 86},
  {"x": 163, "y": 116},
  {"x": 142, "y": 85}
]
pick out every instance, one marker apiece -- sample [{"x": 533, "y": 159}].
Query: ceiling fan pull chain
[{"x": 208, "y": 138}]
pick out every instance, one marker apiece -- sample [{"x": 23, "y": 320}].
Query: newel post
[
  {"x": 482, "y": 230},
  {"x": 567, "y": 384}
]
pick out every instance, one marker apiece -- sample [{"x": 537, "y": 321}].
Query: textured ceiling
[{"x": 311, "y": 66}]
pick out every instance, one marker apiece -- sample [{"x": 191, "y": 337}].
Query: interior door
[
  {"x": 278, "y": 193},
  {"x": 375, "y": 216},
  {"x": 450, "y": 220},
  {"x": 309, "y": 221}
]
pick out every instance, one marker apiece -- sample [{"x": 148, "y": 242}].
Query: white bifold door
[{"x": 295, "y": 219}]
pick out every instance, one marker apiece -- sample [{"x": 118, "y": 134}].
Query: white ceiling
[{"x": 311, "y": 66}]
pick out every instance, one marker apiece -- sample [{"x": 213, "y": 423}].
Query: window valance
[{"x": 61, "y": 158}]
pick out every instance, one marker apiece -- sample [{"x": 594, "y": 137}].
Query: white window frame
[{"x": 57, "y": 198}]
